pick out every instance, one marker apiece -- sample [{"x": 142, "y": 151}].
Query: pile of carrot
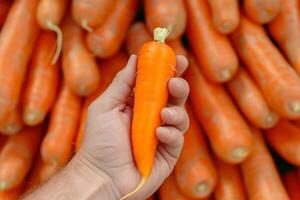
[{"x": 58, "y": 56}]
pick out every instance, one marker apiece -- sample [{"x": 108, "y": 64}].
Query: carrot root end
[
  {"x": 33, "y": 118},
  {"x": 3, "y": 186},
  {"x": 271, "y": 119},
  {"x": 86, "y": 26},
  {"x": 240, "y": 154},
  {"x": 202, "y": 189},
  {"x": 295, "y": 107},
  {"x": 225, "y": 75},
  {"x": 57, "y": 30},
  {"x": 142, "y": 182},
  {"x": 11, "y": 129}
]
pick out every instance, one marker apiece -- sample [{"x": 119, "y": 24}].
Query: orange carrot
[
  {"x": 284, "y": 138},
  {"x": 17, "y": 157},
  {"x": 42, "y": 81},
  {"x": 292, "y": 184},
  {"x": 261, "y": 177},
  {"x": 177, "y": 46},
  {"x": 49, "y": 15},
  {"x": 2, "y": 141},
  {"x": 212, "y": 49},
  {"x": 250, "y": 100},
  {"x": 62, "y": 128},
  {"x": 108, "y": 38},
  {"x": 230, "y": 185},
  {"x": 278, "y": 81},
  {"x": 81, "y": 128},
  {"x": 151, "y": 198},
  {"x": 4, "y": 8},
  {"x": 79, "y": 66},
  {"x": 262, "y": 11},
  {"x": 225, "y": 15},
  {"x": 195, "y": 172},
  {"x": 12, "y": 194},
  {"x": 168, "y": 14},
  {"x": 285, "y": 30},
  {"x": 13, "y": 123},
  {"x": 91, "y": 14},
  {"x": 17, "y": 40},
  {"x": 227, "y": 131}
]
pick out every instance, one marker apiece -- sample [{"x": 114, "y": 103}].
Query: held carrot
[
  {"x": 195, "y": 172},
  {"x": 261, "y": 177},
  {"x": 17, "y": 157},
  {"x": 108, "y": 38},
  {"x": 80, "y": 68},
  {"x": 225, "y": 15},
  {"x": 156, "y": 65},
  {"x": 42, "y": 81},
  {"x": 4, "y": 8},
  {"x": 284, "y": 138},
  {"x": 285, "y": 30},
  {"x": 278, "y": 81},
  {"x": 169, "y": 14},
  {"x": 13, "y": 123},
  {"x": 49, "y": 15},
  {"x": 177, "y": 46},
  {"x": 12, "y": 194},
  {"x": 17, "y": 40},
  {"x": 227, "y": 131},
  {"x": 292, "y": 183},
  {"x": 91, "y": 14},
  {"x": 250, "y": 100}
]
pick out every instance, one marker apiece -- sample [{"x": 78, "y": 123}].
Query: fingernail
[
  {"x": 170, "y": 112},
  {"x": 163, "y": 130}
]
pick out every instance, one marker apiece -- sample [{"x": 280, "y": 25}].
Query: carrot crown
[{"x": 160, "y": 34}]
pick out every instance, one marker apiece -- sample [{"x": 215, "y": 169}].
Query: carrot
[
  {"x": 177, "y": 46},
  {"x": 16, "y": 44},
  {"x": 195, "y": 172},
  {"x": 42, "y": 81},
  {"x": 250, "y": 100},
  {"x": 17, "y": 157},
  {"x": 82, "y": 122},
  {"x": 91, "y": 14},
  {"x": 64, "y": 119},
  {"x": 49, "y": 15},
  {"x": 151, "y": 198},
  {"x": 292, "y": 184},
  {"x": 284, "y": 138},
  {"x": 13, "y": 123},
  {"x": 285, "y": 30},
  {"x": 4, "y": 8},
  {"x": 12, "y": 194},
  {"x": 230, "y": 185},
  {"x": 169, "y": 14},
  {"x": 2, "y": 141},
  {"x": 155, "y": 66},
  {"x": 227, "y": 131},
  {"x": 212, "y": 49},
  {"x": 225, "y": 15},
  {"x": 262, "y": 11},
  {"x": 278, "y": 81},
  {"x": 261, "y": 177},
  {"x": 79, "y": 66},
  {"x": 108, "y": 38}
]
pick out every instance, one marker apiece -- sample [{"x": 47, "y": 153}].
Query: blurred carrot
[
  {"x": 177, "y": 46},
  {"x": 169, "y": 14},
  {"x": 12, "y": 194},
  {"x": 195, "y": 172},
  {"x": 261, "y": 177},
  {"x": 225, "y": 15},
  {"x": 17, "y": 156},
  {"x": 2, "y": 141},
  {"x": 278, "y": 81},
  {"x": 13, "y": 123},
  {"x": 228, "y": 133},
  {"x": 212, "y": 49},
  {"x": 292, "y": 184},
  {"x": 42, "y": 81},
  {"x": 4, "y": 8},
  {"x": 250, "y": 100}
]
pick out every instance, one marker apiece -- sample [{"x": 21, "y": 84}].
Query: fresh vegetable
[
  {"x": 4, "y": 7},
  {"x": 13, "y": 123},
  {"x": 2, "y": 141},
  {"x": 292, "y": 184},
  {"x": 12, "y": 194}
]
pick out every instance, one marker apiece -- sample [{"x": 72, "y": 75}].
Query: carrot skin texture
[
  {"x": 228, "y": 133},
  {"x": 212, "y": 49},
  {"x": 4, "y": 8},
  {"x": 12, "y": 194},
  {"x": 13, "y": 123},
  {"x": 250, "y": 100},
  {"x": 292, "y": 183},
  {"x": 260, "y": 174},
  {"x": 107, "y": 39},
  {"x": 278, "y": 81},
  {"x": 16, "y": 45},
  {"x": 41, "y": 82}
]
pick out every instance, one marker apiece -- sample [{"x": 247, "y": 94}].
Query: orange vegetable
[
  {"x": 195, "y": 172},
  {"x": 151, "y": 198},
  {"x": 261, "y": 177},
  {"x": 278, "y": 81},
  {"x": 228, "y": 133},
  {"x": 2, "y": 141},
  {"x": 13, "y": 123},
  {"x": 12, "y": 194},
  {"x": 42, "y": 81},
  {"x": 250, "y": 100},
  {"x": 292, "y": 184},
  {"x": 4, "y": 8},
  {"x": 212, "y": 49},
  {"x": 108, "y": 38}
]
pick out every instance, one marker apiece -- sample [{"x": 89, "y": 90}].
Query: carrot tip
[
  {"x": 142, "y": 182},
  {"x": 271, "y": 119},
  {"x": 58, "y": 32},
  {"x": 225, "y": 75},
  {"x": 240, "y": 154},
  {"x": 83, "y": 90},
  {"x": 295, "y": 107},
  {"x": 32, "y": 118},
  {"x": 226, "y": 27},
  {"x": 3, "y": 186},
  {"x": 202, "y": 188},
  {"x": 86, "y": 26},
  {"x": 160, "y": 34},
  {"x": 12, "y": 129}
]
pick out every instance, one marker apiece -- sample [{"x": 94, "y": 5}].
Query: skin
[{"x": 104, "y": 165}]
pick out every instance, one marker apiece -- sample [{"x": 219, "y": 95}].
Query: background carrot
[
  {"x": 151, "y": 198},
  {"x": 13, "y": 123},
  {"x": 250, "y": 100},
  {"x": 107, "y": 39},
  {"x": 177, "y": 46},
  {"x": 4, "y": 7},
  {"x": 17, "y": 39},
  {"x": 2, "y": 141},
  {"x": 279, "y": 83},
  {"x": 228, "y": 133},
  {"x": 41, "y": 82},
  {"x": 261, "y": 177},
  {"x": 12, "y": 194},
  {"x": 292, "y": 184},
  {"x": 225, "y": 15},
  {"x": 169, "y": 14},
  {"x": 195, "y": 172},
  {"x": 80, "y": 68}
]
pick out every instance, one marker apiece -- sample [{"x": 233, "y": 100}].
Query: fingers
[
  {"x": 175, "y": 116},
  {"x": 179, "y": 91},
  {"x": 181, "y": 65}
]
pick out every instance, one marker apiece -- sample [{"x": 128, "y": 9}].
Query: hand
[{"x": 107, "y": 145}]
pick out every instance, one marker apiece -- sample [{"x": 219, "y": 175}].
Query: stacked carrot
[{"x": 57, "y": 56}]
